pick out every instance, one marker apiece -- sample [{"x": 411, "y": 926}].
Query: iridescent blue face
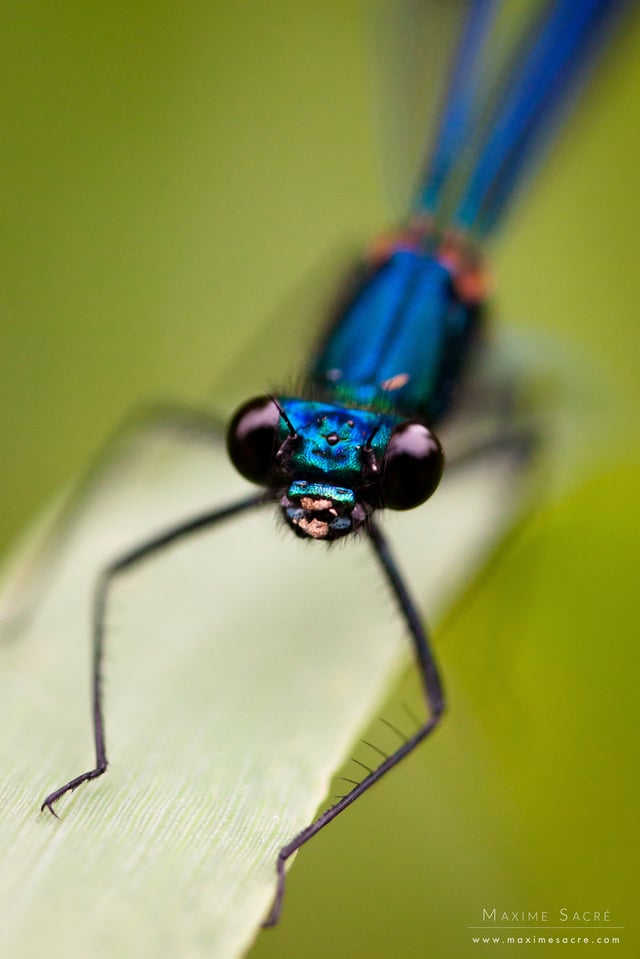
[
  {"x": 330, "y": 467},
  {"x": 334, "y": 466},
  {"x": 319, "y": 511}
]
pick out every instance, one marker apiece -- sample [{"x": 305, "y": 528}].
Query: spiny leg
[
  {"x": 519, "y": 442},
  {"x": 435, "y": 705},
  {"x": 105, "y": 580}
]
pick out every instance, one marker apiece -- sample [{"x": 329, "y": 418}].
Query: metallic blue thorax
[{"x": 398, "y": 345}]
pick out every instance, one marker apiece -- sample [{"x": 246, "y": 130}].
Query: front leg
[
  {"x": 103, "y": 587},
  {"x": 434, "y": 697}
]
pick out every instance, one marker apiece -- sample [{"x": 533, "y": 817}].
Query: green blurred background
[{"x": 171, "y": 171}]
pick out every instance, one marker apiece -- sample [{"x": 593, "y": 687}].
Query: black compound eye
[
  {"x": 252, "y": 438},
  {"x": 412, "y": 466}
]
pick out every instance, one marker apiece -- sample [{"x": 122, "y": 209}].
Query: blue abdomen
[{"x": 400, "y": 341}]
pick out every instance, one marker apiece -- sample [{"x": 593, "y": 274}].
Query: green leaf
[{"x": 241, "y": 665}]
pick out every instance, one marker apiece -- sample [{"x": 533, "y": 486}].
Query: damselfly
[{"x": 362, "y": 436}]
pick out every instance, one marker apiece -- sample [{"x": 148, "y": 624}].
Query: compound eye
[
  {"x": 412, "y": 466},
  {"x": 252, "y": 438}
]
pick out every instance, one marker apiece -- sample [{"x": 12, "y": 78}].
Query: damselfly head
[{"x": 329, "y": 467}]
